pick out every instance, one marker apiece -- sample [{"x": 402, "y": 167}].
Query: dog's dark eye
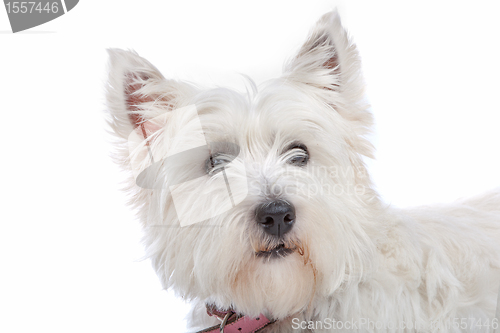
[
  {"x": 299, "y": 156},
  {"x": 215, "y": 163}
]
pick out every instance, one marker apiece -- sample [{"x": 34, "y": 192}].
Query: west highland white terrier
[{"x": 258, "y": 208}]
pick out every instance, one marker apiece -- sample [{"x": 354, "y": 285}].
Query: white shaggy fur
[{"x": 358, "y": 259}]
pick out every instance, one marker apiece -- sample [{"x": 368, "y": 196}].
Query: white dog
[{"x": 259, "y": 209}]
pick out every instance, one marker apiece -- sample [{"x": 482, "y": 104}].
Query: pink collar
[{"x": 235, "y": 323}]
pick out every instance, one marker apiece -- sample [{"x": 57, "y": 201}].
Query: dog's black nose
[{"x": 276, "y": 217}]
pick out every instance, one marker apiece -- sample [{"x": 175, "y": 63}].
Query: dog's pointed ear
[
  {"x": 137, "y": 93},
  {"x": 139, "y": 105},
  {"x": 328, "y": 65},
  {"x": 328, "y": 60}
]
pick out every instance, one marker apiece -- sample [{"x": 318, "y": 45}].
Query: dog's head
[{"x": 254, "y": 201}]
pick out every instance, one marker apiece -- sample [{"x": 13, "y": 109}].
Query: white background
[{"x": 69, "y": 246}]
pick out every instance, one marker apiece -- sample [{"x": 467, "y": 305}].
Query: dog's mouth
[{"x": 280, "y": 251}]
